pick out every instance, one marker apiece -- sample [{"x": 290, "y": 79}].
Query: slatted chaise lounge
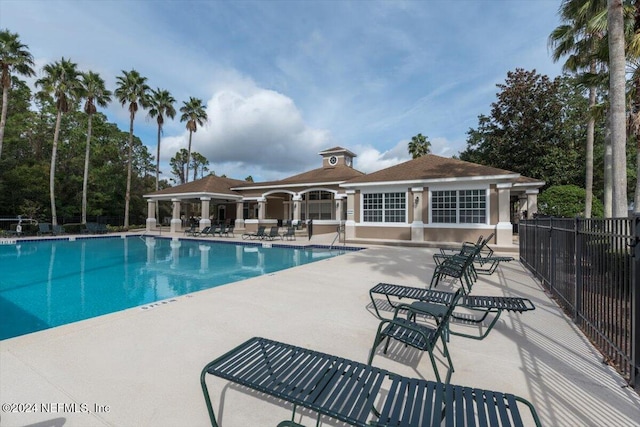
[
  {"x": 484, "y": 255},
  {"x": 351, "y": 392},
  {"x": 482, "y": 304}
]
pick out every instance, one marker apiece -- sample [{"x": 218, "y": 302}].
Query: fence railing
[{"x": 592, "y": 268}]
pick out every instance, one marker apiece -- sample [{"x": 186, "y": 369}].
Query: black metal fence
[{"x": 592, "y": 268}]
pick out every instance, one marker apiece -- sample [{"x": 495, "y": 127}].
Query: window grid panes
[
  {"x": 459, "y": 206},
  {"x": 473, "y": 206},
  {"x": 444, "y": 206},
  {"x": 372, "y": 207},
  {"x": 394, "y": 207},
  {"x": 384, "y": 207}
]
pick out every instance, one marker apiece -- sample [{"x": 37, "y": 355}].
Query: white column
[
  {"x": 522, "y": 206},
  {"x": 262, "y": 208},
  {"x": 205, "y": 221},
  {"x": 532, "y": 202},
  {"x": 239, "y": 215},
  {"x": 175, "y": 252},
  {"x": 504, "y": 228},
  {"x": 339, "y": 207},
  {"x": 151, "y": 214},
  {"x": 350, "y": 224},
  {"x": 176, "y": 224},
  {"x": 297, "y": 201},
  {"x": 417, "y": 225}
]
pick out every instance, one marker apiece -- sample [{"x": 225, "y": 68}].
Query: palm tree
[
  {"x": 419, "y": 146},
  {"x": 132, "y": 89},
  {"x": 60, "y": 80},
  {"x": 14, "y": 57},
  {"x": 581, "y": 42},
  {"x": 160, "y": 105},
  {"x": 194, "y": 113},
  {"x": 92, "y": 89},
  {"x": 617, "y": 101}
]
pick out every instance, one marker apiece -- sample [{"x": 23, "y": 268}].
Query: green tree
[
  {"x": 60, "y": 80},
  {"x": 14, "y": 57},
  {"x": 566, "y": 201},
  {"x": 95, "y": 93},
  {"x": 199, "y": 163},
  {"x": 178, "y": 165},
  {"x": 161, "y": 106},
  {"x": 582, "y": 44},
  {"x": 532, "y": 129},
  {"x": 249, "y": 178},
  {"x": 133, "y": 90},
  {"x": 419, "y": 146},
  {"x": 195, "y": 114}
]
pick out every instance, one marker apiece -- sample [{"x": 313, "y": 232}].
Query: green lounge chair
[
  {"x": 257, "y": 235},
  {"x": 222, "y": 229},
  {"x": 290, "y": 234},
  {"x": 44, "y": 228},
  {"x": 357, "y": 394},
  {"x": 420, "y": 336},
  {"x": 458, "y": 266},
  {"x": 191, "y": 231},
  {"x": 228, "y": 232},
  {"x": 204, "y": 232},
  {"x": 430, "y": 300},
  {"x": 273, "y": 234}
]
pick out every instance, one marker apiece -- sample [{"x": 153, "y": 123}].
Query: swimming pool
[{"x": 49, "y": 283}]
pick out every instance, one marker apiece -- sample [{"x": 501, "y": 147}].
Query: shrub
[{"x": 567, "y": 201}]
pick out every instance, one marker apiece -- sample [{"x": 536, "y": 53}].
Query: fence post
[
  {"x": 635, "y": 305},
  {"x": 577, "y": 262},
  {"x": 552, "y": 256}
]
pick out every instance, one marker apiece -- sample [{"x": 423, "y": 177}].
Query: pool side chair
[
  {"x": 290, "y": 234},
  {"x": 44, "y": 229},
  {"x": 191, "y": 231},
  {"x": 204, "y": 232},
  {"x": 356, "y": 394},
  {"x": 257, "y": 235},
  {"x": 430, "y": 300},
  {"x": 219, "y": 231},
  {"x": 273, "y": 234},
  {"x": 58, "y": 230},
  {"x": 228, "y": 232},
  {"x": 417, "y": 335},
  {"x": 486, "y": 259},
  {"x": 458, "y": 267}
]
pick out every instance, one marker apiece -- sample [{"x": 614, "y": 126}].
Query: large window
[
  {"x": 459, "y": 206},
  {"x": 384, "y": 207},
  {"x": 317, "y": 205}
]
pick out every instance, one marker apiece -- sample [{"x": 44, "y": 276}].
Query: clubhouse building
[{"x": 428, "y": 199}]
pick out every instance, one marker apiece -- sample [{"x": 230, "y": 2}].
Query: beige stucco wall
[
  {"x": 494, "y": 205},
  {"x": 391, "y": 233},
  {"x": 455, "y": 234}
]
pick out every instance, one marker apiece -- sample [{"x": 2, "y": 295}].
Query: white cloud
[{"x": 253, "y": 131}]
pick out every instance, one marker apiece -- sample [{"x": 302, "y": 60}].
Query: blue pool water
[{"x": 44, "y": 284}]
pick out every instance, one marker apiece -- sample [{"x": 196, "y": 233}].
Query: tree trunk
[
  {"x": 186, "y": 175},
  {"x": 3, "y": 115},
  {"x": 589, "y": 152},
  {"x": 158, "y": 160},
  {"x": 52, "y": 170},
  {"x": 608, "y": 169},
  {"x": 618, "y": 103},
  {"x": 127, "y": 196},
  {"x": 85, "y": 181}
]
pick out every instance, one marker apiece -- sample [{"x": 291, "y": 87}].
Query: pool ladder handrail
[{"x": 338, "y": 232}]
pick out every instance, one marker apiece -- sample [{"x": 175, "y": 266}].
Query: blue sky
[{"x": 283, "y": 80}]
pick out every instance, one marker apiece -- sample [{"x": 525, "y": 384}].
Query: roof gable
[{"x": 431, "y": 167}]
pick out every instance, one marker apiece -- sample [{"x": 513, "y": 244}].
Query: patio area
[{"x": 141, "y": 367}]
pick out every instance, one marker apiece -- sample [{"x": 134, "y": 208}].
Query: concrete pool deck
[{"x": 141, "y": 367}]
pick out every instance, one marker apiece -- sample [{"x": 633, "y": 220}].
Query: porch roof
[{"x": 216, "y": 187}]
